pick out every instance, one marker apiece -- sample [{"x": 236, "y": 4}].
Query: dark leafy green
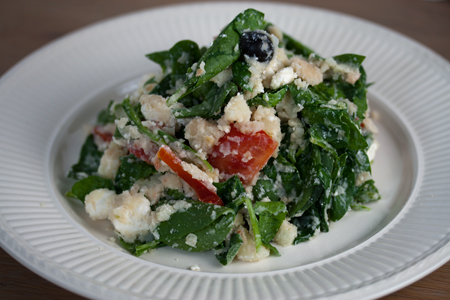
[
  {"x": 209, "y": 223},
  {"x": 270, "y": 215},
  {"x": 222, "y": 53},
  {"x": 162, "y": 58},
  {"x": 160, "y": 137},
  {"x": 105, "y": 116},
  {"x": 83, "y": 187},
  {"x": 164, "y": 87},
  {"x": 296, "y": 47},
  {"x": 307, "y": 224},
  {"x": 138, "y": 248},
  {"x": 241, "y": 75},
  {"x": 211, "y": 106},
  {"x": 227, "y": 253},
  {"x": 88, "y": 162},
  {"x": 353, "y": 60},
  {"x": 253, "y": 222},
  {"x": 268, "y": 99},
  {"x": 335, "y": 127},
  {"x": 367, "y": 192},
  {"x": 230, "y": 192},
  {"x": 184, "y": 54},
  {"x": 131, "y": 113},
  {"x": 131, "y": 169}
]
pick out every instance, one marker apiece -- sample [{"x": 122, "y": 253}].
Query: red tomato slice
[
  {"x": 242, "y": 154},
  {"x": 103, "y": 133},
  {"x": 201, "y": 188},
  {"x": 146, "y": 154}
]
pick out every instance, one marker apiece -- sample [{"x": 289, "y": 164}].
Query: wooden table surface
[{"x": 26, "y": 25}]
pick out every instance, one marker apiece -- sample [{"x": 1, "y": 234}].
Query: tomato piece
[
  {"x": 103, "y": 133},
  {"x": 144, "y": 149},
  {"x": 200, "y": 187},
  {"x": 242, "y": 154}
]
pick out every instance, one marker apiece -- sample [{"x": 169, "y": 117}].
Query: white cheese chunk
[
  {"x": 109, "y": 163},
  {"x": 247, "y": 251},
  {"x": 286, "y": 234},
  {"x": 99, "y": 203}
]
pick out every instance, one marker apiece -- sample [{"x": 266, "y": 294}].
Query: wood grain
[{"x": 26, "y": 25}]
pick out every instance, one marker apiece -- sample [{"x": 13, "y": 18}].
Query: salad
[{"x": 248, "y": 144}]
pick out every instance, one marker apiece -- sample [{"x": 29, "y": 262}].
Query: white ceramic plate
[{"x": 47, "y": 98}]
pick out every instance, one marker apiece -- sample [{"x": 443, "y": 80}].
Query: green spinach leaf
[
  {"x": 268, "y": 99},
  {"x": 350, "y": 59},
  {"x": 209, "y": 223},
  {"x": 105, "y": 116},
  {"x": 271, "y": 215},
  {"x": 211, "y": 106},
  {"x": 296, "y": 47},
  {"x": 89, "y": 160},
  {"x": 241, "y": 75},
  {"x": 131, "y": 169},
  {"x": 307, "y": 224},
  {"x": 83, "y": 187},
  {"x": 253, "y": 222},
  {"x": 222, "y": 53},
  {"x": 138, "y": 248},
  {"x": 227, "y": 253},
  {"x": 367, "y": 192},
  {"x": 230, "y": 192},
  {"x": 335, "y": 127}
]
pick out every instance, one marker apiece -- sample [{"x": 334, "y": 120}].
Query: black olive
[{"x": 256, "y": 44}]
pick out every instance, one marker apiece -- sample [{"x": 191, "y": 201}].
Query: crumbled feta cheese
[
  {"x": 223, "y": 77},
  {"x": 306, "y": 71},
  {"x": 195, "y": 268},
  {"x": 109, "y": 163},
  {"x": 191, "y": 240},
  {"x": 362, "y": 177},
  {"x": 164, "y": 212},
  {"x": 372, "y": 150},
  {"x": 271, "y": 122},
  {"x": 247, "y": 251},
  {"x": 132, "y": 218},
  {"x": 202, "y": 135},
  {"x": 236, "y": 110},
  {"x": 300, "y": 84},
  {"x": 331, "y": 68},
  {"x": 369, "y": 125},
  {"x": 282, "y": 77},
  {"x": 153, "y": 187},
  {"x": 121, "y": 122},
  {"x": 99, "y": 203},
  {"x": 286, "y": 234},
  {"x": 287, "y": 108},
  {"x": 201, "y": 69},
  {"x": 262, "y": 73},
  {"x": 352, "y": 108},
  {"x": 130, "y": 132},
  {"x": 171, "y": 181},
  {"x": 155, "y": 109}
]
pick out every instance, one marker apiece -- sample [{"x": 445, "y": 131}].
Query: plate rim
[{"x": 443, "y": 252}]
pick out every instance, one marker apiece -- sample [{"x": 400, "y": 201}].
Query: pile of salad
[{"x": 248, "y": 144}]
